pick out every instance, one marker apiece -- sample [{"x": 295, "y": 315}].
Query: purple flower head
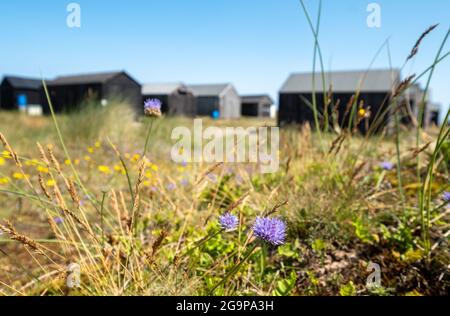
[
  {"x": 152, "y": 107},
  {"x": 228, "y": 221},
  {"x": 171, "y": 186},
  {"x": 386, "y": 165},
  {"x": 446, "y": 197},
  {"x": 58, "y": 220},
  {"x": 212, "y": 177},
  {"x": 184, "y": 182},
  {"x": 238, "y": 179},
  {"x": 271, "y": 230}
]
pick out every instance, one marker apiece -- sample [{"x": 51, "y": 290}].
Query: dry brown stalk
[
  {"x": 44, "y": 188},
  {"x": 26, "y": 241},
  {"x": 207, "y": 172},
  {"x": 8, "y": 148},
  {"x": 415, "y": 49}
]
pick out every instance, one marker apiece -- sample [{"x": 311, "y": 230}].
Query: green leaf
[
  {"x": 348, "y": 289},
  {"x": 285, "y": 286}
]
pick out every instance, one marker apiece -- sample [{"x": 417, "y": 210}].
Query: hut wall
[
  {"x": 66, "y": 98},
  {"x": 124, "y": 88},
  {"x": 434, "y": 118},
  {"x": 297, "y": 108},
  {"x": 230, "y": 104},
  {"x": 206, "y": 105},
  {"x": 264, "y": 107},
  {"x": 9, "y": 96},
  {"x": 182, "y": 104},
  {"x": 250, "y": 109}
]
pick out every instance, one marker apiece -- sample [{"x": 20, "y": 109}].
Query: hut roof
[
  {"x": 381, "y": 80},
  {"x": 93, "y": 78},
  {"x": 23, "y": 83},
  {"x": 208, "y": 90},
  {"x": 161, "y": 88},
  {"x": 255, "y": 98}
]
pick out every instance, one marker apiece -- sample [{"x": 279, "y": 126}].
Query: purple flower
[
  {"x": 228, "y": 221},
  {"x": 152, "y": 107},
  {"x": 239, "y": 179},
  {"x": 171, "y": 186},
  {"x": 271, "y": 230},
  {"x": 446, "y": 197},
  {"x": 386, "y": 165},
  {"x": 229, "y": 171},
  {"x": 212, "y": 177},
  {"x": 184, "y": 182},
  {"x": 58, "y": 220}
]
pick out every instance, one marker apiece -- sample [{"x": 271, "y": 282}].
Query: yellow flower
[
  {"x": 33, "y": 162},
  {"x": 104, "y": 169},
  {"x": 2, "y": 161},
  {"x": 362, "y": 112},
  {"x": 67, "y": 162},
  {"x": 51, "y": 183},
  {"x": 4, "y": 180},
  {"x": 42, "y": 169},
  {"x": 180, "y": 169},
  {"x": 87, "y": 158},
  {"x": 97, "y": 144},
  {"x": 77, "y": 162},
  {"x": 90, "y": 150},
  {"x": 119, "y": 169},
  {"x": 136, "y": 157},
  {"x": 148, "y": 174},
  {"x": 146, "y": 183},
  {"x": 19, "y": 176},
  {"x": 154, "y": 167},
  {"x": 6, "y": 154}
]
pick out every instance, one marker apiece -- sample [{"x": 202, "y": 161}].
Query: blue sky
[{"x": 254, "y": 44}]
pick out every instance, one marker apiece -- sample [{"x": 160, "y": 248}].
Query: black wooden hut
[
  {"x": 176, "y": 98},
  {"x": 69, "y": 92},
  {"x": 256, "y": 105},
  {"x": 374, "y": 86},
  {"x": 19, "y": 92}
]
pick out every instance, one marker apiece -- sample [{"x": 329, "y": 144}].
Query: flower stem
[
  {"x": 234, "y": 269},
  {"x": 147, "y": 139}
]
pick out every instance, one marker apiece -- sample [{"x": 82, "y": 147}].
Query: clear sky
[{"x": 254, "y": 44}]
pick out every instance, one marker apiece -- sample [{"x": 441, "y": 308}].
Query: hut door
[{"x": 22, "y": 101}]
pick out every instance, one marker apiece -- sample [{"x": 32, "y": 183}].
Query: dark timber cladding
[
  {"x": 374, "y": 86},
  {"x": 176, "y": 98},
  {"x": 19, "y": 92},
  {"x": 256, "y": 105},
  {"x": 69, "y": 92}
]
